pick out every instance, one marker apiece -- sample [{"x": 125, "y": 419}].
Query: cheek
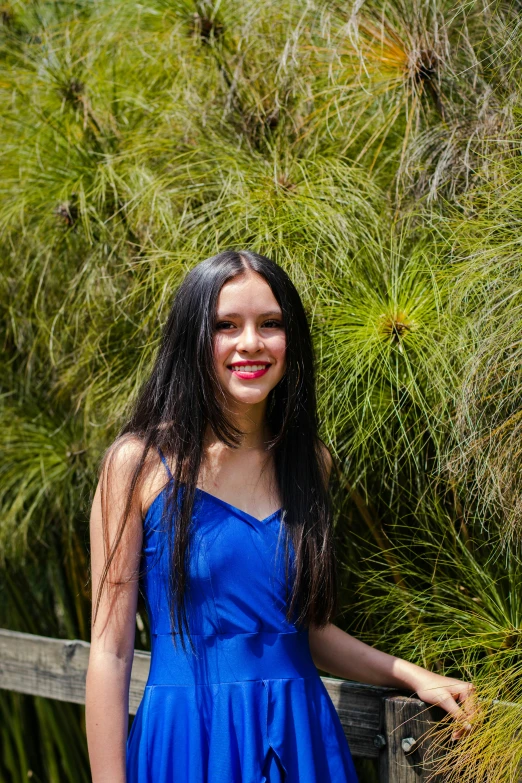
[
  {"x": 278, "y": 349},
  {"x": 221, "y": 351}
]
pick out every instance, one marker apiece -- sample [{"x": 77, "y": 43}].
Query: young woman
[{"x": 214, "y": 500}]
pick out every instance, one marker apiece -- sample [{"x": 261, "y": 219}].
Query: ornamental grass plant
[{"x": 373, "y": 149}]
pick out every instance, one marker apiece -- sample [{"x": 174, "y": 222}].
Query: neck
[{"x": 251, "y": 420}]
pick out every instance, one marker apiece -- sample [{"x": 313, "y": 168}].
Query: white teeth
[{"x": 250, "y": 367}]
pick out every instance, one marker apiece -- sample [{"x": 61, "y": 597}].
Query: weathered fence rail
[{"x": 379, "y": 723}]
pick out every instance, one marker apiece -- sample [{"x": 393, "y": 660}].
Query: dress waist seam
[
  {"x": 226, "y": 683},
  {"x": 235, "y": 633}
]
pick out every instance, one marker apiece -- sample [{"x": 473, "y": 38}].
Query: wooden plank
[
  {"x": 56, "y": 669},
  {"x": 44, "y": 667},
  {"x": 409, "y": 752}
]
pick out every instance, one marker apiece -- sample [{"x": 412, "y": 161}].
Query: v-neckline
[
  {"x": 219, "y": 501},
  {"x": 240, "y": 511},
  {"x": 224, "y": 503}
]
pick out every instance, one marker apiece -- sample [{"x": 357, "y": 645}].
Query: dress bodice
[{"x": 236, "y": 572}]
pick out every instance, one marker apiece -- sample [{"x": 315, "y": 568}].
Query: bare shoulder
[
  {"x": 123, "y": 456},
  {"x": 121, "y": 461}
]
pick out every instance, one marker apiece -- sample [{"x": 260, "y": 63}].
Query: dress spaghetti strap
[{"x": 164, "y": 460}]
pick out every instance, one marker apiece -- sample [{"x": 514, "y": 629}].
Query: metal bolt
[
  {"x": 379, "y": 741},
  {"x": 409, "y": 744}
]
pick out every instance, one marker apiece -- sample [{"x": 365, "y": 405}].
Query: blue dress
[{"x": 250, "y": 707}]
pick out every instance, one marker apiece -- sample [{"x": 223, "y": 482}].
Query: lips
[
  {"x": 247, "y": 370},
  {"x": 249, "y": 366}
]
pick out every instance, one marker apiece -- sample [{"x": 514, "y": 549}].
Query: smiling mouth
[
  {"x": 249, "y": 371},
  {"x": 249, "y": 367}
]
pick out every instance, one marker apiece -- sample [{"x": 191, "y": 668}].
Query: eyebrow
[{"x": 277, "y": 313}]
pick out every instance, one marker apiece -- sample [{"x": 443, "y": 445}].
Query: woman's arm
[
  {"x": 340, "y": 654},
  {"x": 113, "y": 633}
]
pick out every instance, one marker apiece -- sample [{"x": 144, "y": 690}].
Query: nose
[{"x": 250, "y": 340}]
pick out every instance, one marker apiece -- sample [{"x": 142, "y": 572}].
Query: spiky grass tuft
[{"x": 373, "y": 151}]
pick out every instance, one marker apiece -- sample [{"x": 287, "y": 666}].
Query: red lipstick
[{"x": 242, "y": 369}]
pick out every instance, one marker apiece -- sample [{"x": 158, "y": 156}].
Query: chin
[{"x": 249, "y": 398}]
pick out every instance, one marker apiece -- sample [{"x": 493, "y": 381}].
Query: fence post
[{"x": 408, "y": 752}]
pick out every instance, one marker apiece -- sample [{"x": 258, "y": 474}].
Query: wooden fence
[{"x": 379, "y": 723}]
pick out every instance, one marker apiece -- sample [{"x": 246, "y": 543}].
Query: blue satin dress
[{"x": 250, "y": 707}]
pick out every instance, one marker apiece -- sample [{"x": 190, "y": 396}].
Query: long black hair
[{"x": 182, "y": 396}]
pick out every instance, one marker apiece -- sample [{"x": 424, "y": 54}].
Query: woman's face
[{"x": 249, "y": 339}]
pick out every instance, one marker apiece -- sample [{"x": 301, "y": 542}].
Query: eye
[
  {"x": 273, "y": 323},
  {"x": 221, "y": 325}
]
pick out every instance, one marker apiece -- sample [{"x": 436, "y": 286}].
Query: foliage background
[{"x": 373, "y": 150}]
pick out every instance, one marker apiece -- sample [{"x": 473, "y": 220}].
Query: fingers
[
  {"x": 449, "y": 704},
  {"x": 463, "y": 714},
  {"x": 469, "y": 702},
  {"x": 460, "y": 716},
  {"x": 459, "y": 700}
]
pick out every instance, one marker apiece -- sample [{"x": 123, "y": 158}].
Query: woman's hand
[
  {"x": 457, "y": 697},
  {"x": 340, "y": 654}
]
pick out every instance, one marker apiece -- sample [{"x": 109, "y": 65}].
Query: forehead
[{"x": 247, "y": 292}]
